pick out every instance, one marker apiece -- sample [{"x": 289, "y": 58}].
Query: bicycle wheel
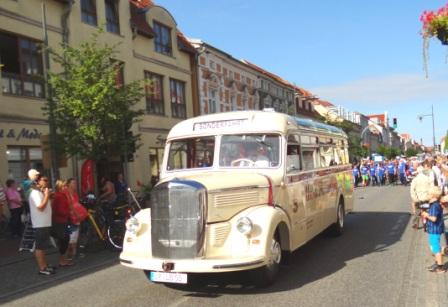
[{"x": 115, "y": 234}]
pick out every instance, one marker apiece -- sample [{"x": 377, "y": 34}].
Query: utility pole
[
  {"x": 54, "y": 171},
  {"x": 420, "y": 117}
]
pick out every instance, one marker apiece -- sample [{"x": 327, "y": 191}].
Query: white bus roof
[{"x": 249, "y": 122}]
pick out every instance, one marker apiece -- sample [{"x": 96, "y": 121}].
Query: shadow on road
[
  {"x": 365, "y": 233},
  {"x": 21, "y": 278}
]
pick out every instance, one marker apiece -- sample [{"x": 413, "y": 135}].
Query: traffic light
[{"x": 394, "y": 123}]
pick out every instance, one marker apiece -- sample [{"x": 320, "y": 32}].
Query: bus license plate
[{"x": 178, "y": 278}]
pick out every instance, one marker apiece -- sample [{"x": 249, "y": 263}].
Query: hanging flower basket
[
  {"x": 435, "y": 24},
  {"x": 442, "y": 35}
]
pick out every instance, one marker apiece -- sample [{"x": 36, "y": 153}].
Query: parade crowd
[
  {"x": 55, "y": 215},
  {"x": 428, "y": 180}
]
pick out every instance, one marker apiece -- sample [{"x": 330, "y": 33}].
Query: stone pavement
[
  {"x": 422, "y": 288},
  {"x": 18, "y": 270}
]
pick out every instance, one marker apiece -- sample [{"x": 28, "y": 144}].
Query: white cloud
[{"x": 399, "y": 88}]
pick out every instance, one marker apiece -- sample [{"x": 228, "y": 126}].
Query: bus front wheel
[{"x": 266, "y": 275}]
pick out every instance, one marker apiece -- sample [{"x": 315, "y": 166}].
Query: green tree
[
  {"x": 92, "y": 113},
  {"x": 411, "y": 152},
  {"x": 355, "y": 149}
]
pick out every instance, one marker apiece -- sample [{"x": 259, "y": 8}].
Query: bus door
[
  {"x": 294, "y": 199},
  {"x": 310, "y": 161}
]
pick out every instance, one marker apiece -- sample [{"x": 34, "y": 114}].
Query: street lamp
[{"x": 420, "y": 118}]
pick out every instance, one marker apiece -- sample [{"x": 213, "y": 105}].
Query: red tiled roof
[
  {"x": 381, "y": 117},
  {"x": 303, "y": 91},
  {"x": 324, "y": 103},
  {"x": 184, "y": 44},
  {"x": 267, "y": 73},
  {"x": 139, "y": 23}
]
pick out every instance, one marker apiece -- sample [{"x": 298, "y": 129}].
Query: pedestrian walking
[
  {"x": 402, "y": 171},
  {"x": 372, "y": 173},
  {"x": 75, "y": 218},
  {"x": 40, "y": 210},
  {"x": 121, "y": 188},
  {"x": 365, "y": 174},
  {"x": 15, "y": 207},
  {"x": 391, "y": 172},
  {"x": 435, "y": 228},
  {"x": 355, "y": 174},
  {"x": 3, "y": 208}
]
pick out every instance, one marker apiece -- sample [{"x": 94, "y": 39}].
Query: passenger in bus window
[{"x": 261, "y": 159}]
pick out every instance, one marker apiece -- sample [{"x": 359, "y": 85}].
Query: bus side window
[
  {"x": 309, "y": 158},
  {"x": 293, "y": 158}
]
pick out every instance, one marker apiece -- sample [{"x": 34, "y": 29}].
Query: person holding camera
[
  {"x": 41, "y": 215},
  {"x": 435, "y": 228}
]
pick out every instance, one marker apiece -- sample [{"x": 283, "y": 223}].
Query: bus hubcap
[{"x": 276, "y": 253}]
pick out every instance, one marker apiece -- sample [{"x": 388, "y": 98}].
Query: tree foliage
[
  {"x": 93, "y": 115},
  {"x": 355, "y": 149}
]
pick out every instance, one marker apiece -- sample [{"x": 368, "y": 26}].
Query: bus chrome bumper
[{"x": 193, "y": 265}]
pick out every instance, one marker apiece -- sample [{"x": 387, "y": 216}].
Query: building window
[
  {"x": 177, "y": 90},
  {"x": 22, "y": 72},
  {"x": 112, "y": 17},
  {"x": 88, "y": 12},
  {"x": 163, "y": 39},
  {"x": 233, "y": 103},
  {"x": 21, "y": 159},
  {"x": 212, "y": 101},
  {"x": 212, "y": 65},
  {"x": 155, "y": 160},
  {"x": 154, "y": 94}
]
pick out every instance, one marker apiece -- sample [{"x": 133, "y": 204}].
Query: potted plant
[{"x": 435, "y": 24}]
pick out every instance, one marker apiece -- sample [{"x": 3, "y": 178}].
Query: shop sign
[{"x": 19, "y": 134}]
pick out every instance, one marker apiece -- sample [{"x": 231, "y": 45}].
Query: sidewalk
[
  {"x": 18, "y": 270},
  {"x": 423, "y": 288}
]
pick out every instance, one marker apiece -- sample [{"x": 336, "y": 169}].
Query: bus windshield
[
  {"x": 250, "y": 150},
  {"x": 191, "y": 153}
]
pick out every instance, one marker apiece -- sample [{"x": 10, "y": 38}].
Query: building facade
[
  {"x": 225, "y": 83},
  {"x": 148, "y": 43},
  {"x": 304, "y": 105},
  {"x": 274, "y": 92}
]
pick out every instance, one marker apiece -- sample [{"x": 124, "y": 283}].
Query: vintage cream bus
[{"x": 239, "y": 191}]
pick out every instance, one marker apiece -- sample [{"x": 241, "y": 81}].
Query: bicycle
[{"x": 105, "y": 224}]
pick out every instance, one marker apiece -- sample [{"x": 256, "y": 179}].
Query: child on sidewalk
[{"x": 435, "y": 228}]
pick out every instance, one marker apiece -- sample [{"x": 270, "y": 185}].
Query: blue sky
[{"x": 363, "y": 55}]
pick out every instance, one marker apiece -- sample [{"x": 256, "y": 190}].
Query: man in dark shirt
[{"x": 435, "y": 228}]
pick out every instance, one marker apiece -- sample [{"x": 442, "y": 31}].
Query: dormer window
[{"x": 162, "y": 39}]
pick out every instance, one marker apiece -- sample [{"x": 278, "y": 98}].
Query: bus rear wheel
[{"x": 337, "y": 228}]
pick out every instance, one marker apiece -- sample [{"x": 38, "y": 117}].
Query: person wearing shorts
[
  {"x": 435, "y": 228},
  {"x": 41, "y": 214}
]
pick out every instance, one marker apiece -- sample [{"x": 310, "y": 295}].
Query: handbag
[{"x": 81, "y": 212}]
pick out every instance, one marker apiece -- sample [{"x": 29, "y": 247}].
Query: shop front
[{"x": 20, "y": 148}]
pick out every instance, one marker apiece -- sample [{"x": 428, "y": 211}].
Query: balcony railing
[{"x": 16, "y": 84}]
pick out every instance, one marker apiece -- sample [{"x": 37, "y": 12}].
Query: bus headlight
[
  {"x": 244, "y": 225},
  {"x": 133, "y": 225}
]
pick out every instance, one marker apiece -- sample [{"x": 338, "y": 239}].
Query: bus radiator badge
[{"x": 167, "y": 266}]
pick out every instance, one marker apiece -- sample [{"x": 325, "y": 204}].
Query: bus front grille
[{"x": 178, "y": 214}]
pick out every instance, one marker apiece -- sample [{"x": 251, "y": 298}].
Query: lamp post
[{"x": 420, "y": 117}]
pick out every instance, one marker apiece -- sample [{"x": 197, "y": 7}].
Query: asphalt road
[{"x": 367, "y": 266}]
